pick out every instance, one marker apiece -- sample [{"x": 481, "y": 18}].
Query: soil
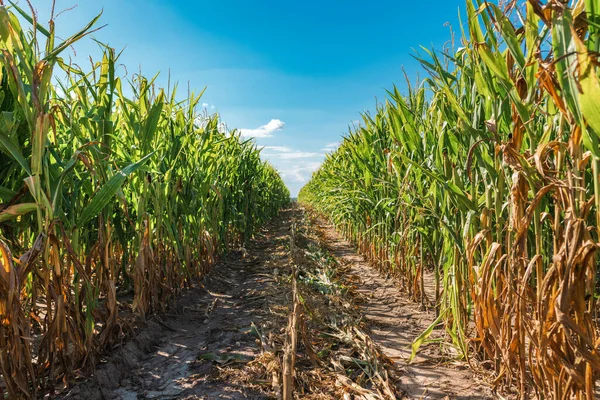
[
  {"x": 395, "y": 322},
  {"x": 214, "y": 343},
  {"x": 172, "y": 357}
]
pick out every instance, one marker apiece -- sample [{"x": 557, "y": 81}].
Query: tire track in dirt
[
  {"x": 395, "y": 322},
  {"x": 179, "y": 354}
]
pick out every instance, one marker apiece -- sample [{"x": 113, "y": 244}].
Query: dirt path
[
  {"x": 180, "y": 355},
  {"x": 395, "y": 322},
  {"x": 224, "y": 338}
]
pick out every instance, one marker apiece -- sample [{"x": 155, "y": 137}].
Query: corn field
[
  {"x": 114, "y": 195},
  {"x": 487, "y": 174}
]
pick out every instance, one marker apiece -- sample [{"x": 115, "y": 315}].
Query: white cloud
[
  {"x": 295, "y": 167},
  {"x": 298, "y": 154},
  {"x": 330, "y": 147},
  {"x": 286, "y": 153},
  {"x": 299, "y": 173},
  {"x": 205, "y": 105},
  {"x": 281, "y": 149},
  {"x": 265, "y": 130}
]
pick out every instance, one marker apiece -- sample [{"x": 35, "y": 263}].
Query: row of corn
[
  {"x": 486, "y": 174},
  {"x": 114, "y": 194}
]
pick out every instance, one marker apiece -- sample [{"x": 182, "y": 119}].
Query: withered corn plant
[
  {"x": 105, "y": 190},
  {"x": 487, "y": 173}
]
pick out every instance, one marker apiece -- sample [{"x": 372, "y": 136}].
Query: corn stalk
[
  {"x": 491, "y": 164},
  {"x": 108, "y": 186}
]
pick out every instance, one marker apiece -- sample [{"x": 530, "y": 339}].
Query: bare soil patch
[{"x": 395, "y": 321}]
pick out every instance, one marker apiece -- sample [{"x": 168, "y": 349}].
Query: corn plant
[
  {"x": 486, "y": 173},
  {"x": 108, "y": 185}
]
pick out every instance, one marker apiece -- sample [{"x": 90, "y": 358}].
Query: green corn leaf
[
  {"x": 589, "y": 98},
  {"x": 494, "y": 63},
  {"x": 17, "y": 210},
  {"x": 70, "y": 41},
  {"x": 422, "y": 338},
  {"x": 564, "y": 53},
  {"x": 592, "y": 9},
  {"x": 108, "y": 191},
  {"x": 28, "y": 18},
  {"x": 509, "y": 35},
  {"x": 6, "y": 194},
  {"x": 9, "y": 148}
]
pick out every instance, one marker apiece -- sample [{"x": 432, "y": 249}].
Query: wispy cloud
[
  {"x": 264, "y": 131},
  {"x": 330, "y": 147},
  {"x": 280, "y": 149},
  {"x": 286, "y": 153},
  {"x": 299, "y": 173},
  {"x": 298, "y": 154}
]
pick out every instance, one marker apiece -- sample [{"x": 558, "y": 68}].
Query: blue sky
[{"x": 294, "y": 75}]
